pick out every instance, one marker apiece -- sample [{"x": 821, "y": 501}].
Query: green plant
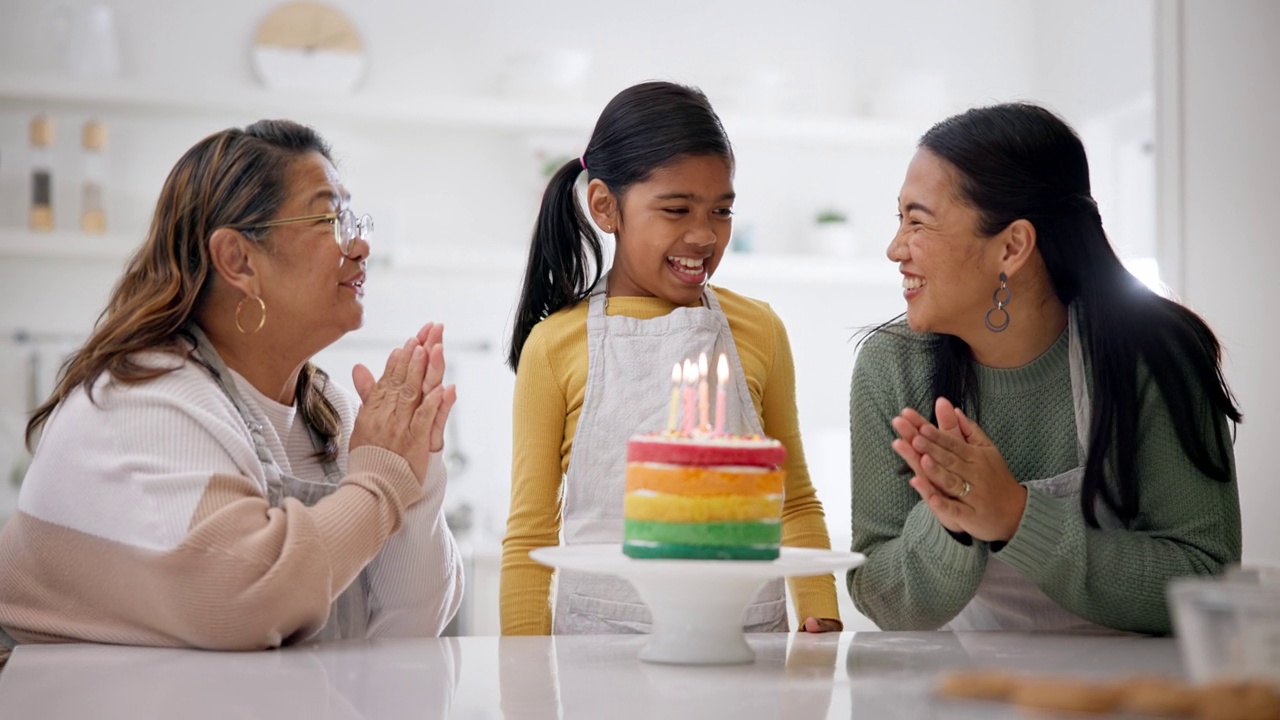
[{"x": 831, "y": 216}]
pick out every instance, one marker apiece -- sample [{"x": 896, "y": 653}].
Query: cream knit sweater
[{"x": 143, "y": 520}]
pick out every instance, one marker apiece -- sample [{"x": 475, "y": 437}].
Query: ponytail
[{"x": 564, "y": 250}]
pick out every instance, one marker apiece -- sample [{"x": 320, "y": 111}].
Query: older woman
[
  {"x": 1046, "y": 443},
  {"x": 198, "y": 482}
]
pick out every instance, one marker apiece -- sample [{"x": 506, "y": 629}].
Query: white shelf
[
  {"x": 67, "y": 245},
  {"x": 504, "y": 262},
  {"x": 497, "y": 262},
  {"x": 818, "y": 131},
  {"x": 791, "y": 269},
  {"x": 196, "y": 98},
  {"x": 777, "y": 267},
  {"x": 807, "y": 269},
  {"x": 416, "y": 109},
  {"x": 21, "y": 243}
]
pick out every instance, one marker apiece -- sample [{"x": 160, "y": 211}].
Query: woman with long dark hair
[
  {"x": 1045, "y": 442},
  {"x": 593, "y": 354}
]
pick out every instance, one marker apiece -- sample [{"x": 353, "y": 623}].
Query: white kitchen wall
[
  {"x": 454, "y": 202},
  {"x": 1083, "y": 44},
  {"x": 1229, "y": 76}
]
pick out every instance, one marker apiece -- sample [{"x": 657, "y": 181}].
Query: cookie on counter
[
  {"x": 978, "y": 684},
  {"x": 1238, "y": 700},
  {"x": 1157, "y": 696},
  {"x": 1065, "y": 695}
]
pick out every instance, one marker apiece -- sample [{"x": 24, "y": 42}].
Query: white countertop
[{"x": 862, "y": 675}]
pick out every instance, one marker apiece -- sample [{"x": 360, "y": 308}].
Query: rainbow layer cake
[{"x": 703, "y": 496}]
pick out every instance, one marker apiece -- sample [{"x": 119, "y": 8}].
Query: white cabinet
[
  {"x": 444, "y": 175},
  {"x": 62, "y": 246}
]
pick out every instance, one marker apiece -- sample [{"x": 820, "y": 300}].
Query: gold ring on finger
[{"x": 965, "y": 491}]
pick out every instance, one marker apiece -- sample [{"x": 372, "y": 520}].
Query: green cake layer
[
  {"x": 655, "y": 551},
  {"x": 726, "y": 533}
]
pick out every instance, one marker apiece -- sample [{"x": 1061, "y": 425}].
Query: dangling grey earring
[{"x": 999, "y": 299}]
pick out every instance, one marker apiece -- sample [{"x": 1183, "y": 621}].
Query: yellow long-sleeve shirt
[{"x": 550, "y": 385}]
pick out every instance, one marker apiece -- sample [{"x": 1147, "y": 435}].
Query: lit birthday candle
[
  {"x": 690, "y": 380},
  {"x": 676, "y": 377},
  {"x": 722, "y": 380},
  {"x": 704, "y": 422}
]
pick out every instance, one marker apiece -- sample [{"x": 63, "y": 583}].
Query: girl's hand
[
  {"x": 821, "y": 625},
  {"x": 405, "y": 410},
  {"x": 961, "y": 474}
]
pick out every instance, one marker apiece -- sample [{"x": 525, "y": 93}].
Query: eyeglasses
[{"x": 346, "y": 227}]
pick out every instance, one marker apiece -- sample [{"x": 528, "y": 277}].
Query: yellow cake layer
[
  {"x": 692, "y": 480},
  {"x": 679, "y": 508}
]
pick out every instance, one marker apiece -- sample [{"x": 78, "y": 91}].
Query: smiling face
[
  {"x": 671, "y": 229},
  {"x": 313, "y": 293},
  {"x": 948, "y": 270}
]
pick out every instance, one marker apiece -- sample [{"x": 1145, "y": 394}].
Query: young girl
[{"x": 595, "y": 352}]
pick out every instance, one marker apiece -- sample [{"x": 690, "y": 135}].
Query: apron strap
[
  {"x": 1079, "y": 387},
  {"x": 217, "y": 369}
]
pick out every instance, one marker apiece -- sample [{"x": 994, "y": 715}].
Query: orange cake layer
[
  {"x": 684, "y": 509},
  {"x": 696, "y": 480}
]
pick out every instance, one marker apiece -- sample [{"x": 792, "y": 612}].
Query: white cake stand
[{"x": 696, "y": 604}]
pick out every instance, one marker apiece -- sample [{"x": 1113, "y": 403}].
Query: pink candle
[
  {"x": 690, "y": 379},
  {"x": 704, "y": 423},
  {"x": 722, "y": 379},
  {"x": 675, "y": 398}
]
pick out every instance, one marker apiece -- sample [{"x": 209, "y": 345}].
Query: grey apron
[
  {"x": 1006, "y": 599},
  {"x": 627, "y": 393},
  {"x": 349, "y": 613}
]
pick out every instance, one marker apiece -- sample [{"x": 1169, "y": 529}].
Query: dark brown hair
[
  {"x": 234, "y": 178},
  {"x": 643, "y": 128}
]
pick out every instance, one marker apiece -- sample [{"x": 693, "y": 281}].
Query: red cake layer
[{"x": 706, "y": 451}]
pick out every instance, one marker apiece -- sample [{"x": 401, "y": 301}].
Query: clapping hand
[
  {"x": 405, "y": 410},
  {"x": 959, "y": 473}
]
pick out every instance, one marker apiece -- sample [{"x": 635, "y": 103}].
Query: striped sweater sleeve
[
  {"x": 415, "y": 582},
  {"x": 142, "y": 520}
]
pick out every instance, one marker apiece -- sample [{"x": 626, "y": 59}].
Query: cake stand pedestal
[{"x": 696, "y": 604}]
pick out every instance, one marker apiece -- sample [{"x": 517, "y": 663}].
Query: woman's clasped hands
[
  {"x": 959, "y": 473},
  {"x": 405, "y": 410}
]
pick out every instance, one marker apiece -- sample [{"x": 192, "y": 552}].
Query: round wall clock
[{"x": 308, "y": 46}]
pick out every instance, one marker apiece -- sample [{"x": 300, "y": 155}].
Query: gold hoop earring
[{"x": 262, "y": 308}]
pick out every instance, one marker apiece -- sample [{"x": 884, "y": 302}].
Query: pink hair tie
[{"x": 582, "y": 160}]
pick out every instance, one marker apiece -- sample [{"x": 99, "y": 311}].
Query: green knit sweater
[{"x": 918, "y": 577}]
